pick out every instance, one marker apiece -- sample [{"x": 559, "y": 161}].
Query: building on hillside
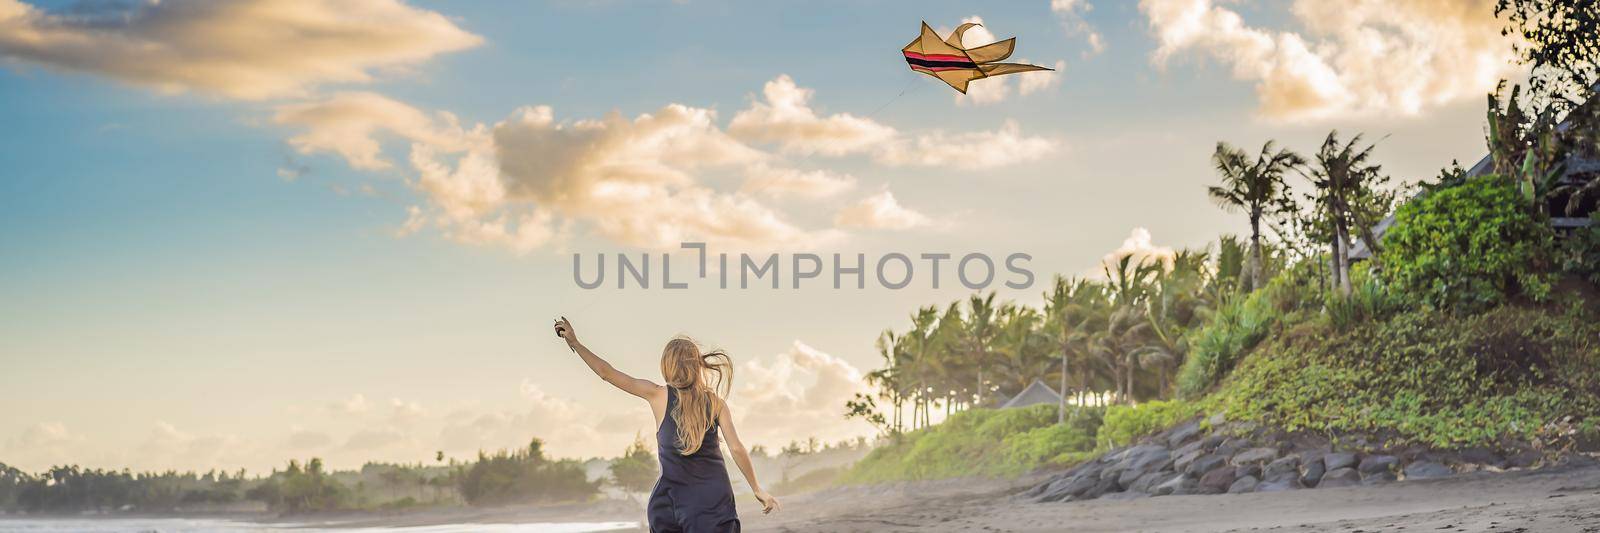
[
  {"x": 1037, "y": 393},
  {"x": 1579, "y": 168}
]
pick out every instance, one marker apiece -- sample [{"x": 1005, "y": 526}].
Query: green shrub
[
  {"x": 1423, "y": 376},
  {"x": 1124, "y": 424},
  {"x": 1369, "y": 300},
  {"x": 1239, "y": 324},
  {"x": 1468, "y": 247}
]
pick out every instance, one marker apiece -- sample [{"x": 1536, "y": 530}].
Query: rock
[
  {"x": 1281, "y": 466},
  {"x": 1313, "y": 473},
  {"x": 1101, "y": 487},
  {"x": 1279, "y": 486},
  {"x": 1523, "y": 459},
  {"x": 1378, "y": 478},
  {"x": 1183, "y": 433},
  {"x": 1185, "y": 459},
  {"x": 1250, "y": 470},
  {"x": 1218, "y": 479},
  {"x": 1147, "y": 483},
  {"x": 1148, "y": 460},
  {"x": 1378, "y": 463},
  {"x": 1176, "y": 483},
  {"x": 1232, "y": 446},
  {"x": 1343, "y": 477},
  {"x": 1243, "y": 485},
  {"x": 1193, "y": 446},
  {"x": 1216, "y": 420},
  {"x": 1213, "y": 441},
  {"x": 1427, "y": 470},
  {"x": 1255, "y": 456},
  {"x": 1335, "y": 461},
  {"x": 1482, "y": 456},
  {"x": 1067, "y": 488},
  {"x": 1206, "y": 464}
]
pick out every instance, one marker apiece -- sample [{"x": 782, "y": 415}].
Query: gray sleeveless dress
[{"x": 693, "y": 494}]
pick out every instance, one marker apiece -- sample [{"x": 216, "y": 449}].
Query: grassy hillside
[{"x": 1426, "y": 377}]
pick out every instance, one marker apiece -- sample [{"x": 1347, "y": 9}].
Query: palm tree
[
  {"x": 1343, "y": 176},
  {"x": 1176, "y": 303},
  {"x": 980, "y": 332},
  {"x": 921, "y": 351},
  {"x": 1254, "y": 187},
  {"x": 1125, "y": 323},
  {"x": 1069, "y": 310},
  {"x": 1024, "y": 351},
  {"x": 888, "y": 379}
]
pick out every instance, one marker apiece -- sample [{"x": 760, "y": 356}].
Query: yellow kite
[{"x": 956, "y": 65}]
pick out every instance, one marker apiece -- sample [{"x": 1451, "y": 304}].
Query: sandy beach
[{"x": 1552, "y": 500}]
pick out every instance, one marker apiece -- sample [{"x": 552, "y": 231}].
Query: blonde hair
[{"x": 697, "y": 377}]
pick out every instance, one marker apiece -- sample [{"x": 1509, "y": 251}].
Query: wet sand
[{"x": 1550, "y": 500}]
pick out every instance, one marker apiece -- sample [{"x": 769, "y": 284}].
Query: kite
[{"x": 956, "y": 65}]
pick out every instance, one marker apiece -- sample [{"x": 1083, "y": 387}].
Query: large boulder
[
  {"x": 1183, "y": 433},
  {"x": 1279, "y": 485},
  {"x": 1182, "y": 460},
  {"x": 1243, "y": 485},
  {"x": 1374, "y": 464},
  {"x": 1101, "y": 487},
  {"x": 1281, "y": 466},
  {"x": 1313, "y": 472},
  {"x": 1147, "y": 460},
  {"x": 1335, "y": 461},
  {"x": 1481, "y": 455},
  {"x": 1206, "y": 464},
  {"x": 1427, "y": 470},
  {"x": 1247, "y": 470},
  {"x": 1147, "y": 483},
  {"x": 1069, "y": 487},
  {"x": 1343, "y": 477},
  {"x": 1179, "y": 483},
  {"x": 1218, "y": 479},
  {"x": 1523, "y": 459},
  {"x": 1255, "y": 456},
  {"x": 1233, "y": 445},
  {"x": 1191, "y": 447}
]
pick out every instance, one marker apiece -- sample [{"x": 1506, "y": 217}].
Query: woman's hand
[
  {"x": 768, "y": 503},
  {"x": 564, "y": 330}
]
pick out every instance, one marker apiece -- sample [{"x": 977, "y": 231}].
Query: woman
[{"x": 693, "y": 494}]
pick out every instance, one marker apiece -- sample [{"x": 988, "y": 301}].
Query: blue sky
[{"x": 193, "y": 277}]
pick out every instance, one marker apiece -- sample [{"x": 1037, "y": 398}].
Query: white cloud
[
  {"x": 1362, "y": 57},
  {"x": 798, "y": 394},
  {"x": 969, "y": 150},
  {"x": 355, "y": 404},
  {"x": 879, "y": 211},
  {"x": 348, "y": 123},
  {"x": 647, "y": 181},
  {"x": 167, "y": 447},
  {"x": 1071, "y": 13},
  {"x": 1140, "y": 247},
  {"x": 784, "y": 117},
  {"x": 250, "y": 49},
  {"x": 770, "y": 181}
]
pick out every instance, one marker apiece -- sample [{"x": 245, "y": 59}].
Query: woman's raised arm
[
  {"x": 642, "y": 388},
  {"x": 741, "y": 457}
]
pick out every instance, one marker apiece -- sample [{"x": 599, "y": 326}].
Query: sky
[{"x": 238, "y": 232}]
